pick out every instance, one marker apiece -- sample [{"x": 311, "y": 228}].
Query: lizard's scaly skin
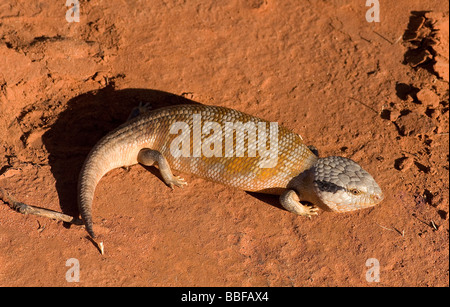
[{"x": 293, "y": 169}]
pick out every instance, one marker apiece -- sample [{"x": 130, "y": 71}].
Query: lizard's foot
[
  {"x": 140, "y": 109},
  {"x": 176, "y": 181},
  {"x": 305, "y": 210},
  {"x": 144, "y": 107},
  {"x": 149, "y": 157},
  {"x": 291, "y": 202}
]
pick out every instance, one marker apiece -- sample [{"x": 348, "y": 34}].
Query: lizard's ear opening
[{"x": 343, "y": 185}]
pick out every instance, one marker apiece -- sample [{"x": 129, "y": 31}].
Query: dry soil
[{"x": 376, "y": 92}]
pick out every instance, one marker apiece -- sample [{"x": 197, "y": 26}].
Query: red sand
[{"x": 374, "y": 92}]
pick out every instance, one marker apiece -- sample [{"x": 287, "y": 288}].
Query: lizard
[{"x": 304, "y": 181}]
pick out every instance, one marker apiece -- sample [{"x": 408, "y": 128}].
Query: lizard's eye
[{"x": 355, "y": 191}]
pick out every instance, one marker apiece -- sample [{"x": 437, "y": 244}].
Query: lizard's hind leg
[{"x": 151, "y": 157}]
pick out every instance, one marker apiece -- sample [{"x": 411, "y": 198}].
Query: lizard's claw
[
  {"x": 140, "y": 109},
  {"x": 177, "y": 181},
  {"x": 309, "y": 211},
  {"x": 144, "y": 107}
]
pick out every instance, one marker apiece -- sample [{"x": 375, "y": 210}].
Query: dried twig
[
  {"x": 383, "y": 37},
  {"x": 27, "y": 209},
  {"x": 385, "y": 227},
  {"x": 402, "y": 233},
  {"x": 434, "y": 225},
  {"x": 367, "y": 106}
]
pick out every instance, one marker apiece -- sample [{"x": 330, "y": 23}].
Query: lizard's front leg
[
  {"x": 149, "y": 157},
  {"x": 291, "y": 202}
]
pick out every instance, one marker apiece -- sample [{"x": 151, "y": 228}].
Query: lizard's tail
[
  {"x": 100, "y": 160},
  {"x": 112, "y": 151},
  {"x": 86, "y": 188},
  {"x": 109, "y": 153}
]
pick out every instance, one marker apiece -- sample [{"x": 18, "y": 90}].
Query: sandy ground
[{"x": 376, "y": 92}]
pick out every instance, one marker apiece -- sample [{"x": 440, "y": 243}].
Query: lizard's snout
[{"x": 377, "y": 198}]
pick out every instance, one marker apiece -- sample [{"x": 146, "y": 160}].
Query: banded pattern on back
[{"x": 218, "y": 164}]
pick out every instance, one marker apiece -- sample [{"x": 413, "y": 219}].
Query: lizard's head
[{"x": 342, "y": 185}]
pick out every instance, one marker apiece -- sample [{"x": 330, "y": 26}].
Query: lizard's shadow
[
  {"x": 86, "y": 119},
  {"x": 273, "y": 200}
]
